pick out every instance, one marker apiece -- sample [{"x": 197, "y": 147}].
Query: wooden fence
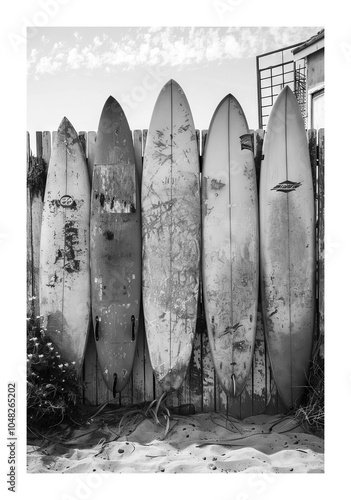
[{"x": 200, "y": 388}]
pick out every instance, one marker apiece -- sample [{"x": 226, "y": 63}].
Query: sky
[{"x": 71, "y": 71}]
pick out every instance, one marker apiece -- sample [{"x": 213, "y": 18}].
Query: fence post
[
  {"x": 312, "y": 147},
  {"x": 91, "y": 153},
  {"x": 83, "y": 140},
  {"x": 321, "y": 237},
  {"x": 36, "y": 215},
  {"x": 258, "y": 150},
  {"x": 30, "y": 293}
]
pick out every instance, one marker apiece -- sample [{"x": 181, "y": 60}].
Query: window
[{"x": 316, "y": 108}]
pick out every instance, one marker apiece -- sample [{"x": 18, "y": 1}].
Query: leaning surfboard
[
  {"x": 171, "y": 236},
  {"x": 64, "y": 247},
  {"x": 230, "y": 245},
  {"x": 287, "y": 248},
  {"x": 115, "y": 240}
]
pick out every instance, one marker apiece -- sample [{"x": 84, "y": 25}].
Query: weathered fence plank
[
  {"x": 203, "y": 142},
  {"x": 312, "y": 147},
  {"x": 195, "y": 373},
  {"x": 90, "y": 369},
  {"x": 221, "y": 403},
  {"x": 103, "y": 394},
  {"x": 246, "y": 397},
  {"x": 29, "y": 240},
  {"x": 321, "y": 236},
  {"x": 259, "y": 375},
  {"x": 208, "y": 375},
  {"x": 91, "y": 153},
  {"x": 271, "y": 389},
  {"x": 138, "y": 151},
  {"x": 148, "y": 374},
  {"x": 83, "y": 140},
  {"x": 138, "y": 368},
  {"x": 36, "y": 217},
  {"x": 46, "y": 149},
  {"x": 258, "y": 151},
  {"x": 126, "y": 396}
]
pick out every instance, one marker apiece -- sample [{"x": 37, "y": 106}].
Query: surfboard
[
  {"x": 64, "y": 277},
  {"x": 115, "y": 241},
  {"x": 287, "y": 248},
  {"x": 230, "y": 243},
  {"x": 171, "y": 236}
]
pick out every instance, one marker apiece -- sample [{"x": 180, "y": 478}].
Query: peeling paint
[
  {"x": 115, "y": 240},
  {"x": 215, "y": 184},
  {"x": 171, "y": 238},
  {"x": 64, "y": 251},
  {"x": 230, "y": 245}
]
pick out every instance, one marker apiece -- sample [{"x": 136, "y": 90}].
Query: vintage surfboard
[
  {"x": 230, "y": 243},
  {"x": 171, "y": 236},
  {"x": 287, "y": 247},
  {"x": 115, "y": 241},
  {"x": 64, "y": 290}
]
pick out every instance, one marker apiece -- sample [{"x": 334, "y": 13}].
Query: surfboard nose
[
  {"x": 171, "y": 82},
  {"x": 65, "y": 132},
  {"x": 174, "y": 85},
  {"x": 65, "y": 123},
  {"x": 111, "y": 104},
  {"x": 110, "y": 100},
  {"x": 287, "y": 90}
]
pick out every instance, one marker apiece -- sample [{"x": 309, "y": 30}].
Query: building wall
[{"x": 315, "y": 69}]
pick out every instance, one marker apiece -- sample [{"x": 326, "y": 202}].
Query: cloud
[
  {"x": 145, "y": 47},
  {"x": 47, "y": 65},
  {"x": 97, "y": 41},
  {"x": 77, "y": 36},
  {"x": 74, "y": 58}
]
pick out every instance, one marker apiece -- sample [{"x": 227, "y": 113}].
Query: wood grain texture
[
  {"x": 321, "y": 237},
  {"x": 36, "y": 213},
  {"x": 30, "y": 311},
  {"x": 91, "y": 153}
]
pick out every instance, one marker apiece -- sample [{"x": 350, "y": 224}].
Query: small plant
[
  {"x": 312, "y": 412},
  {"x": 36, "y": 176},
  {"x": 53, "y": 386}
]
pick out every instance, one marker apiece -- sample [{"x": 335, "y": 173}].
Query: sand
[{"x": 206, "y": 442}]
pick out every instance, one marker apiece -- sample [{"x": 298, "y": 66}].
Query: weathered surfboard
[
  {"x": 287, "y": 248},
  {"x": 230, "y": 242},
  {"x": 64, "y": 290},
  {"x": 115, "y": 239},
  {"x": 171, "y": 236}
]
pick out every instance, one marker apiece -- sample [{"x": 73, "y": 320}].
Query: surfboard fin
[
  {"x": 114, "y": 392},
  {"x": 97, "y": 321},
  {"x": 133, "y": 327},
  {"x": 234, "y": 384}
]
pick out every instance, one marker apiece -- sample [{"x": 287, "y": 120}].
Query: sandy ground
[{"x": 206, "y": 442}]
